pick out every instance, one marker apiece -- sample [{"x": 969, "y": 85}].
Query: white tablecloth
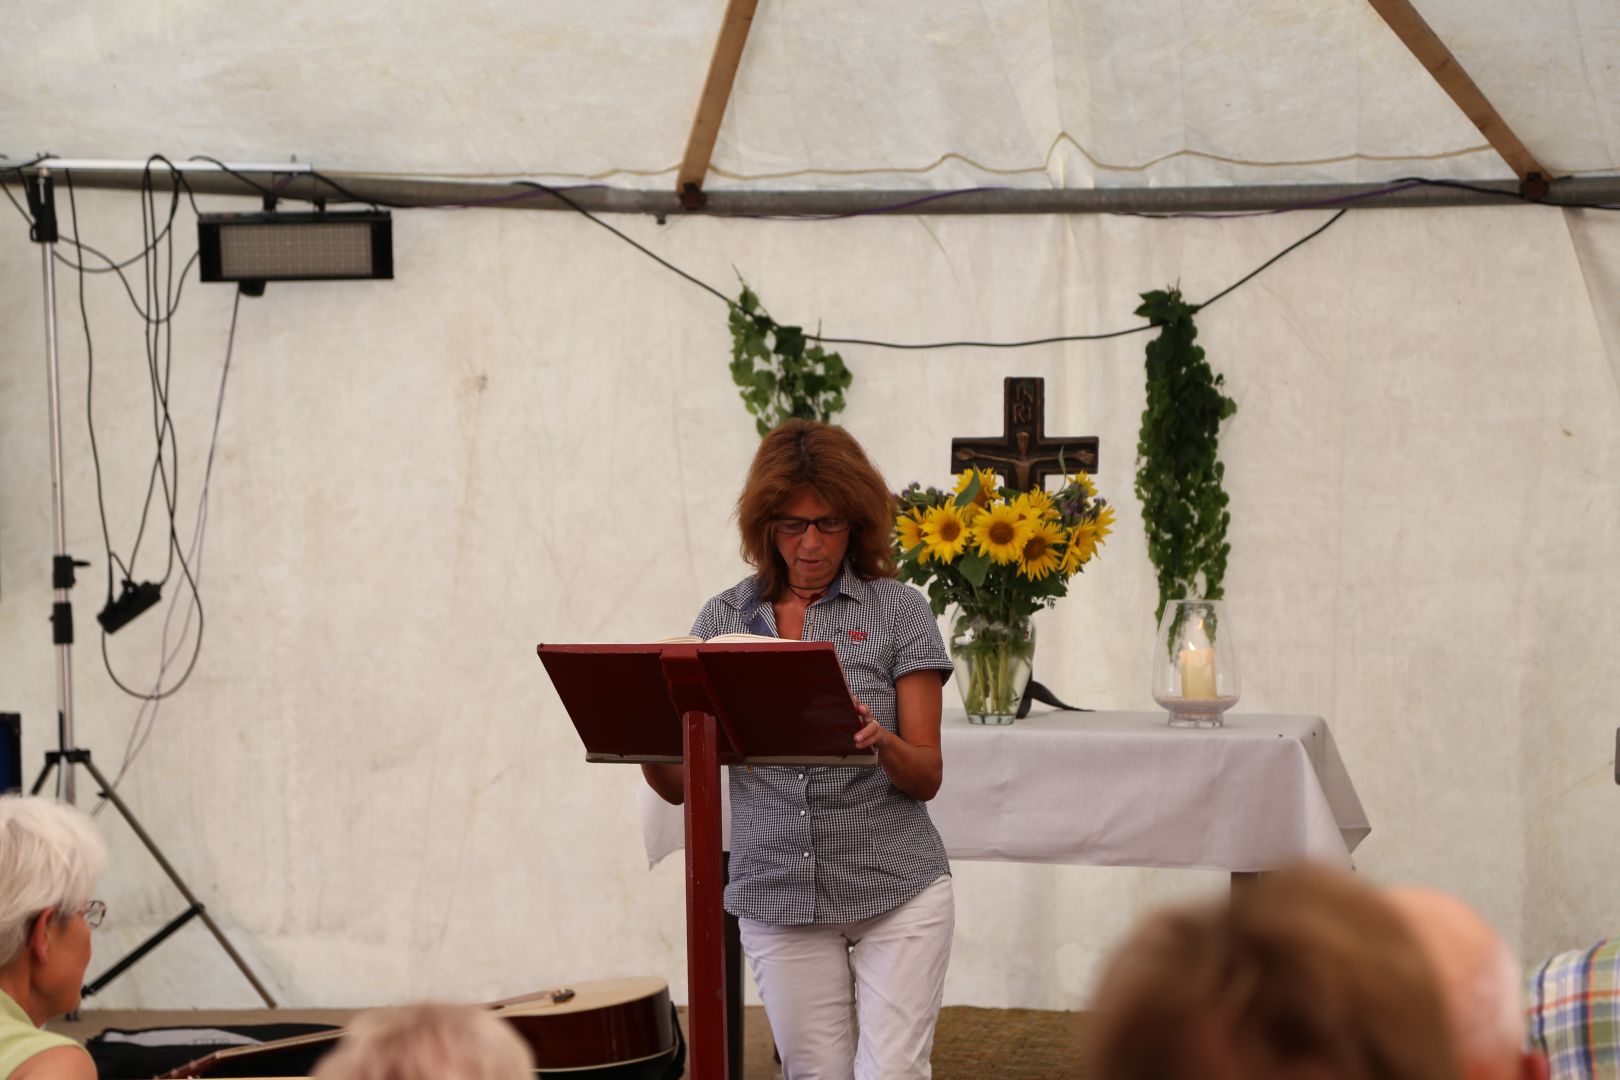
[{"x": 1126, "y": 789}]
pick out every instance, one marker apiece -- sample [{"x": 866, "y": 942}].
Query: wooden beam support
[
  {"x": 1432, "y": 53},
  {"x": 712, "y": 105}
]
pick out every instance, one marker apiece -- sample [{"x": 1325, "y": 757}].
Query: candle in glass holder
[{"x": 1197, "y": 673}]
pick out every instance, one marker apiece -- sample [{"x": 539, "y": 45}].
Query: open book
[{"x": 775, "y": 700}]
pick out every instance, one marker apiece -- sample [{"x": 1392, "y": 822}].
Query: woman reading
[{"x": 838, "y": 877}]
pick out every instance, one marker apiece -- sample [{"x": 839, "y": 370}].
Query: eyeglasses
[
  {"x": 93, "y": 913},
  {"x": 793, "y": 526}
]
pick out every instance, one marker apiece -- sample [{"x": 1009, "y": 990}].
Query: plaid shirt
[
  {"x": 833, "y": 844},
  {"x": 1575, "y": 1011}
]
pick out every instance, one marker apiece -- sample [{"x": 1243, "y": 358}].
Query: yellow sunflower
[
  {"x": 1083, "y": 482},
  {"x": 1083, "y": 541},
  {"x": 908, "y": 533},
  {"x": 1000, "y": 533},
  {"x": 1036, "y": 505},
  {"x": 1040, "y": 555},
  {"x": 988, "y": 486},
  {"x": 945, "y": 533},
  {"x": 1105, "y": 522}
]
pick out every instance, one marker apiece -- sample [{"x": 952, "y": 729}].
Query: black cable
[
  {"x": 1516, "y": 196},
  {"x": 149, "y": 295},
  {"x": 162, "y": 421},
  {"x": 277, "y": 193},
  {"x": 89, "y": 404},
  {"x": 157, "y": 337},
  {"x": 196, "y": 651},
  {"x": 162, "y": 291},
  {"x": 978, "y": 344},
  {"x": 871, "y": 343},
  {"x": 1080, "y": 337},
  {"x": 172, "y": 496},
  {"x": 112, "y": 267},
  {"x": 137, "y": 741},
  {"x": 660, "y": 260},
  {"x": 25, "y": 214},
  {"x": 1313, "y": 234},
  {"x": 139, "y": 732},
  {"x": 128, "y": 289},
  {"x": 26, "y": 164},
  {"x": 254, "y": 184},
  {"x": 375, "y": 204}
]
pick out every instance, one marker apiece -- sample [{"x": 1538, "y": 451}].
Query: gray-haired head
[
  {"x": 428, "y": 1042},
  {"x": 50, "y": 856}
]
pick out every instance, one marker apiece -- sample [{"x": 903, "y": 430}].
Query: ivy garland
[
  {"x": 778, "y": 374},
  {"x": 1178, "y": 475}
]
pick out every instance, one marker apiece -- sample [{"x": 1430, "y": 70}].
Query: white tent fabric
[
  {"x": 949, "y": 94},
  {"x": 531, "y": 435}
]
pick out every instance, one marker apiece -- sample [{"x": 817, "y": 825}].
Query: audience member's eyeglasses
[
  {"x": 793, "y": 526},
  {"x": 94, "y": 912}
]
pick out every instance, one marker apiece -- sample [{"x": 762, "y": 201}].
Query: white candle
[{"x": 1197, "y": 673}]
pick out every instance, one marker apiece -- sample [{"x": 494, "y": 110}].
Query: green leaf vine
[
  {"x": 779, "y": 373},
  {"x": 1179, "y": 473}
]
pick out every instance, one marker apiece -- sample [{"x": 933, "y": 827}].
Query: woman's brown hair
[
  {"x": 1308, "y": 973},
  {"x": 806, "y": 454}
]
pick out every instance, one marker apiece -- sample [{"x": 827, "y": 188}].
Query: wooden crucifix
[{"x": 1023, "y": 455}]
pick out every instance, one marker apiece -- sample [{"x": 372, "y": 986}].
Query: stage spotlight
[{"x": 251, "y": 249}]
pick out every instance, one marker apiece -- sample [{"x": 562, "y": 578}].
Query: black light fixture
[{"x": 251, "y": 249}]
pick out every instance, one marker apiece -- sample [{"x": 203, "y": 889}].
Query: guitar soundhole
[{"x": 560, "y": 996}]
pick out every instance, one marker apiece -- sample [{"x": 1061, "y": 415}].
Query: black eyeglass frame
[{"x": 798, "y": 526}]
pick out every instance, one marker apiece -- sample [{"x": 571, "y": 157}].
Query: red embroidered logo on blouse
[{"x": 857, "y": 635}]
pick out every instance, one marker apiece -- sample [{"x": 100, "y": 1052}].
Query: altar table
[{"x": 1126, "y": 789}]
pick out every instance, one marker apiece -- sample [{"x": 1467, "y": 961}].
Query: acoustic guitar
[{"x": 588, "y": 1025}]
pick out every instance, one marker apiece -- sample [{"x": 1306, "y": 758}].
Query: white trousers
[{"x": 857, "y": 999}]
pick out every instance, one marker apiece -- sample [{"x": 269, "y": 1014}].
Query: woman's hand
[
  {"x": 872, "y": 734},
  {"x": 911, "y": 758}
]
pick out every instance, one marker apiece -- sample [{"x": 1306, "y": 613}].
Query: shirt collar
[
  {"x": 14, "y": 1011},
  {"x": 745, "y": 597}
]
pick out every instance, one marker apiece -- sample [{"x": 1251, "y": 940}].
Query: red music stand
[{"x": 704, "y": 705}]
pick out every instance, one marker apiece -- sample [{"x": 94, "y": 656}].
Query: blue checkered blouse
[{"x": 832, "y": 844}]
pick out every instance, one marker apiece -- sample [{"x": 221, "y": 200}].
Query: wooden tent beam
[
  {"x": 1432, "y": 53},
  {"x": 712, "y": 105}
]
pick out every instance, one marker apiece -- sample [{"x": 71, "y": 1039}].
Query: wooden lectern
[{"x": 707, "y": 705}]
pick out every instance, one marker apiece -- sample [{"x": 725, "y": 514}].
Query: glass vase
[
  {"x": 1195, "y": 663},
  {"x": 992, "y": 658}
]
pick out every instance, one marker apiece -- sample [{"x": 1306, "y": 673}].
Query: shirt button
[
  {"x": 801, "y": 776},
  {"x": 801, "y": 813},
  {"x": 807, "y": 854}
]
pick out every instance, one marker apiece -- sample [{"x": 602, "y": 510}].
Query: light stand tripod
[{"x": 41, "y": 204}]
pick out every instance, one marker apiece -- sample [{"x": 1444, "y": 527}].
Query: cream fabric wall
[
  {"x": 531, "y": 435},
  {"x": 836, "y": 94}
]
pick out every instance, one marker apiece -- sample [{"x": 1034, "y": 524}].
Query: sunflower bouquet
[{"x": 998, "y": 555}]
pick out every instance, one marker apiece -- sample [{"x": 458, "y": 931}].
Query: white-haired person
[
  {"x": 50, "y": 856},
  {"x": 428, "y": 1042},
  {"x": 1479, "y": 982}
]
